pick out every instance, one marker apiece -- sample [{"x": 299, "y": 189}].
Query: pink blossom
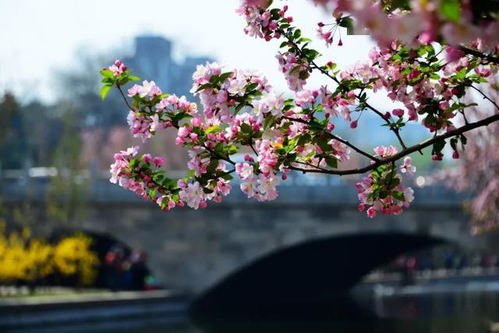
[
  {"x": 407, "y": 166},
  {"x": 159, "y": 161},
  {"x": 244, "y": 170}
]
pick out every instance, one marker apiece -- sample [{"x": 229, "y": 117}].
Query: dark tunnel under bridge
[{"x": 309, "y": 278}]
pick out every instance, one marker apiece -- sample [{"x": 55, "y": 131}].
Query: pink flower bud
[
  {"x": 455, "y": 155},
  {"x": 444, "y": 105},
  {"x": 398, "y": 112},
  {"x": 353, "y": 124},
  {"x": 371, "y": 212},
  {"x": 248, "y": 158},
  {"x": 159, "y": 161},
  {"x": 320, "y": 24},
  {"x": 196, "y": 121},
  {"x": 147, "y": 158}
]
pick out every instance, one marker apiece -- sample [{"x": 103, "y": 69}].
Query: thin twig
[
  {"x": 486, "y": 97},
  {"x": 345, "y": 142},
  {"x": 315, "y": 66},
  {"x": 124, "y": 98}
]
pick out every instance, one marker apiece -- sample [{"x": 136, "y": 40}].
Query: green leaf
[
  {"x": 224, "y": 76},
  {"x": 297, "y": 34},
  {"x": 450, "y": 9},
  {"x": 305, "y": 138},
  {"x": 245, "y": 128},
  {"x": 212, "y": 166},
  {"x": 133, "y": 78},
  {"x": 438, "y": 146},
  {"x": 207, "y": 190},
  {"x": 227, "y": 177},
  {"x": 104, "y": 91},
  {"x": 347, "y": 22},
  {"x": 107, "y": 73},
  {"x": 204, "y": 86},
  {"x": 398, "y": 195},
  {"x": 268, "y": 122},
  {"x": 332, "y": 162},
  {"x": 213, "y": 128}
]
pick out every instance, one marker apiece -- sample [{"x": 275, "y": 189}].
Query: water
[{"x": 464, "y": 307}]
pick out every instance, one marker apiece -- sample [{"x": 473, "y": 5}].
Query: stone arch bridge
[{"x": 193, "y": 249}]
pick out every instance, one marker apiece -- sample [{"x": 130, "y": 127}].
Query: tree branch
[
  {"x": 409, "y": 150},
  {"x": 488, "y": 57}
]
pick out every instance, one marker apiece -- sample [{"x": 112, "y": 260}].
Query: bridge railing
[{"x": 20, "y": 185}]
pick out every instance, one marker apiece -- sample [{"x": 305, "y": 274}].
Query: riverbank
[{"x": 61, "y": 312}]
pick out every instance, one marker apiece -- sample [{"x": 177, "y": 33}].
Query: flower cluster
[
  {"x": 295, "y": 70},
  {"x": 261, "y": 22},
  {"x": 382, "y": 190},
  {"x": 162, "y": 109},
  {"x": 219, "y": 92},
  {"x": 427, "y": 85},
  {"x": 118, "y": 68},
  {"x": 454, "y": 22}
]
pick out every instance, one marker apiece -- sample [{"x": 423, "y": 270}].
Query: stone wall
[{"x": 193, "y": 249}]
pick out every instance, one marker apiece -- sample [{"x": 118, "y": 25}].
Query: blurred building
[{"x": 152, "y": 60}]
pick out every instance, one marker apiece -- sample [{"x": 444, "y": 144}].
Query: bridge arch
[{"x": 307, "y": 275}]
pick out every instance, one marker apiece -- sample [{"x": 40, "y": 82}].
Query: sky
[{"x": 40, "y": 37}]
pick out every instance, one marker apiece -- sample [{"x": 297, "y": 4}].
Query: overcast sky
[{"x": 38, "y": 37}]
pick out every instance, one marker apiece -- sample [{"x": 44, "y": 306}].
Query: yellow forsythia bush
[
  {"x": 23, "y": 258},
  {"x": 72, "y": 256}
]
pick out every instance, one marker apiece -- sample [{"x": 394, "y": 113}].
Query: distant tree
[
  {"x": 478, "y": 171},
  {"x": 67, "y": 191},
  {"x": 12, "y": 136}
]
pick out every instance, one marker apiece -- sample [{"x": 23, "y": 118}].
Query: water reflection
[{"x": 456, "y": 309}]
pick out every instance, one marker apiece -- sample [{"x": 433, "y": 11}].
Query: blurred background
[{"x": 68, "y": 236}]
